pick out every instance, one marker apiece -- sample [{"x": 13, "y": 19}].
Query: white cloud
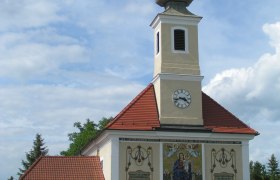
[
  {"x": 263, "y": 146},
  {"x": 27, "y": 14},
  {"x": 273, "y": 31},
  {"x": 65, "y": 61},
  {"x": 140, "y": 7},
  {"x": 253, "y": 94},
  {"x": 52, "y": 110},
  {"x": 22, "y": 56},
  {"x": 109, "y": 42}
]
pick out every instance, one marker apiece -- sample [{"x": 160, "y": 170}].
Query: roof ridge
[{"x": 129, "y": 105}]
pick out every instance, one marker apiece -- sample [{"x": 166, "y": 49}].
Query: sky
[{"x": 66, "y": 61}]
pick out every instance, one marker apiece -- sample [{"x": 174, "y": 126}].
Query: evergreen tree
[
  {"x": 257, "y": 172},
  {"x": 37, "y": 150},
  {"x": 251, "y": 166},
  {"x": 264, "y": 173},
  {"x": 11, "y": 178},
  {"x": 87, "y": 132},
  {"x": 273, "y": 169}
]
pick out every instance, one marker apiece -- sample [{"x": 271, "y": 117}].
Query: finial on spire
[{"x": 165, "y": 3}]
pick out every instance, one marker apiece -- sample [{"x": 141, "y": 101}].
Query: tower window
[
  {"x": 179, "y": 40},
  {"x": 157, "y": 45}
]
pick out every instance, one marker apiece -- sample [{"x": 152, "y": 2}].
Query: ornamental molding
[{"x": 180, "y": 77}]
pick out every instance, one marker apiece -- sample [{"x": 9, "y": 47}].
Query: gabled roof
[
  {"x": 220, "y": 120},
  {"x": 142, "y": 114},
  {"x": 65, "y": 168}
]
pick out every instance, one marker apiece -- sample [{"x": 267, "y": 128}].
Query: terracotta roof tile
[
  {"x": 65, "y": 168},
  {"x": 140, "y": 114},
  {"x": 217, "y": 118}
]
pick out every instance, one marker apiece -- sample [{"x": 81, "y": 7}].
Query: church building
[{"x": 172, "y": 130}]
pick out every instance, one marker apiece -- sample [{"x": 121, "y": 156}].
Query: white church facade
[{"x": 172, "y": 130}]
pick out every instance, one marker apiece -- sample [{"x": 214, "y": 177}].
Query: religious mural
[{"x": 182, "y": 161}]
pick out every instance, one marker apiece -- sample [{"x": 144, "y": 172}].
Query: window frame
[
  {"x": 157, "y": 42},
  {"x": 186, "y": 50}
]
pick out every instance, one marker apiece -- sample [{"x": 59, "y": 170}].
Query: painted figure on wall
[
  {"x": 182, "y": 162},
  {"x": 182, "y": 168},
  {"x": 166, "y": 175}
]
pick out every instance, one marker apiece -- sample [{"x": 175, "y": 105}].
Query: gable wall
[{"x": 104, "y": 152}]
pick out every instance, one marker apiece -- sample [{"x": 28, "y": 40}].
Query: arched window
[
  {"x": 157, "y": 43},
  {"x": 179, "y": 40}
]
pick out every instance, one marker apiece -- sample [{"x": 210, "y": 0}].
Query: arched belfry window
[
  {"x": 179, "y": 40},
  {"x": 157, "y": 43}
]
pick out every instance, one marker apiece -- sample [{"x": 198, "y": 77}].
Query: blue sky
[{"x": 66, "y": 61}]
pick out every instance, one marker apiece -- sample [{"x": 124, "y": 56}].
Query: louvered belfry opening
[
  {"x": 157, "y": 43},
  {"x": 179, "y": 40}
]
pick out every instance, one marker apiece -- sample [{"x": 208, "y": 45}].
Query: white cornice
[
  {"x": 180, "y": 77},
  {"x": 96, "y": 143},
  {"x": 109, "y": 135},
  {"x": 177, "y": 20},
  {"x": 180, "y": 135}
]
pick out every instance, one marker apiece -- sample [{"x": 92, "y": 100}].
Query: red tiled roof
[
  {"x": 65, "y": 168},
  {"x": 142, "y": 114},
  {"x": 217, "y": 118}
]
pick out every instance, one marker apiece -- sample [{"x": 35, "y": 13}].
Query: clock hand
[{"x": 183, "y": 98}]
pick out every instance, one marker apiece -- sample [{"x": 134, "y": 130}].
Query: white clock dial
[{"x": 181, "y": 98}]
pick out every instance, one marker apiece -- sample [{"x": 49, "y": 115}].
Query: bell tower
[{"x": 177, "y": 78}]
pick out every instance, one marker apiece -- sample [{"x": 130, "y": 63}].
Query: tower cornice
[
  {"x": 180, "y": 77},
  {"x": 175, "y": 19}
]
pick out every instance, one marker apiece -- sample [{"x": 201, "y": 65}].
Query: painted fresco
[{"x": 182, "y": 161}]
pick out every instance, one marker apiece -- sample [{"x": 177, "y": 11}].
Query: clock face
[{"x": 181, "y": 98}]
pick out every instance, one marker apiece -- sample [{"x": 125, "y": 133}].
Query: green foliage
[
  {"x": 37, "y": 150},
  {"x": 103, "y": 122},
  {"x": 87, "y": 132},
  {"x": 251, "y": 167},
  {"x": 259, "y": 171},
  {"x": 273, "y": 169},
  {"x": 11, "y": 178}
]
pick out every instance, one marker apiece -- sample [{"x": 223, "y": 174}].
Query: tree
[
  {"x": 103, "y": 123},
  {"x": 273, "y": 169},
  {"x": 258, "y": 171},
  {"x": 251, "y": 166},
  {"x": 87, "y": 132},
  {"x": 37, "y": 150},
  {"x": 11, "y": 178},
  {"x": 264, "y": 173}
]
